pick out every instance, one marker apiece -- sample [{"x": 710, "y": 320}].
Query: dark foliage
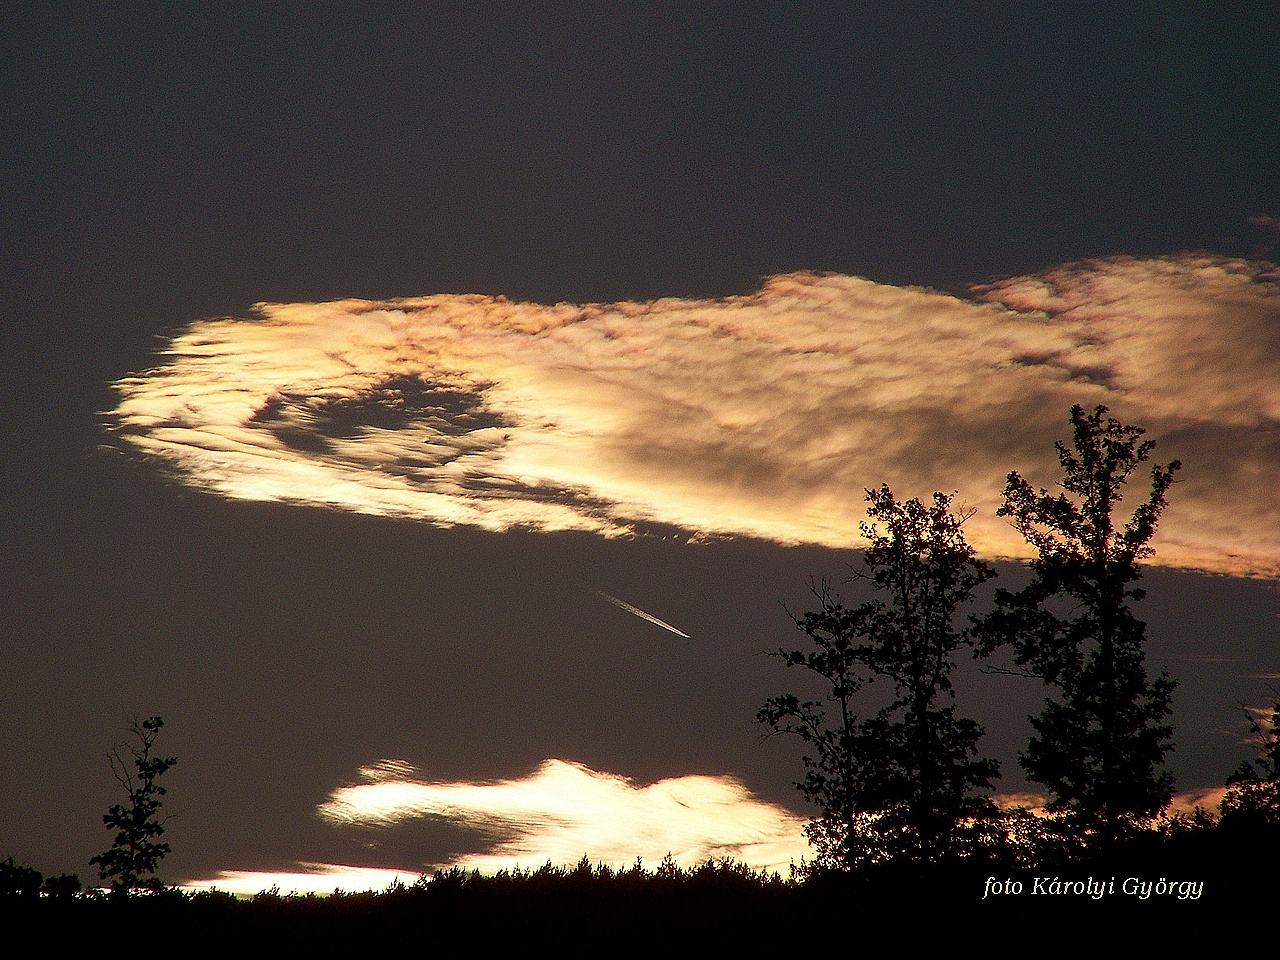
[
  {"x": 136, "y": 851},
  {"x": 899, "y": 783},
  {"x": 1103, "y": 733}
]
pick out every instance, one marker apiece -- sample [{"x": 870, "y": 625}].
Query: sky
[{"x": 433, "y": 412}]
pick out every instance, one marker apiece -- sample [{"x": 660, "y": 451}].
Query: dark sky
[{"x": 162, "y": 164}]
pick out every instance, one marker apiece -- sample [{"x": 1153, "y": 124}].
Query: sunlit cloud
[
  {"x": 763, "y": 415},
  {"x": 563, "y": 811}
]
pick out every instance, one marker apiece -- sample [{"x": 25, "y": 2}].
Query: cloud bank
[
  {"x": 565, "y": 810},
  {"x": 764, "y": 415}
]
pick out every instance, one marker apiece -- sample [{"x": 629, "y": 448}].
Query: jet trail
[{"x": 623, "y": 605}]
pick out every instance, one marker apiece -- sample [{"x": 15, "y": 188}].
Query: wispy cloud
[
  {"x": 763, "y": 415},
  {"x": 565, "y": 810},
  {"x": 1270, "y": 228}
]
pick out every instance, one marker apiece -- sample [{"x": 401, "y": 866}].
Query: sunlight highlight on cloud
[
  {"x": 565, "y": 810},
  {"x": 763, "y": 415}
]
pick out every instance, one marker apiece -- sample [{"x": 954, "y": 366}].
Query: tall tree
[
  {"x": 1103, "y": 733},
  {"x": 900, "y": 782},
  {"x": 136, "y": 851}
]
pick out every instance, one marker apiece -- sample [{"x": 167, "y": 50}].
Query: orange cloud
[{"x": 763, "y": 415}]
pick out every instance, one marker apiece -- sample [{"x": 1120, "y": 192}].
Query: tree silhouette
[
  {"x": 901, "y": 782},
  {"x": 833, "y": 778},
  {"x": 1254, "y": 797},
  {"x": 1103, "y": 733},
  {"x": 923, "y": 757},
  {"x": 136, "y": 852}
]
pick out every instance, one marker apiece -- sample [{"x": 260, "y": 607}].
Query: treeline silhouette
[
  {"x": 1173, "y": 879},
  {"x": 905, "y": 814},
  {"x": 1172, "y": 873}
]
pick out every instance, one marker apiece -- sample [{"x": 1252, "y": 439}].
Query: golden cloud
[{"x": 764, "y": 415}]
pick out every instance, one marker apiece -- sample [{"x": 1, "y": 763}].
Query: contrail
[{"x": 623, "y": 605}]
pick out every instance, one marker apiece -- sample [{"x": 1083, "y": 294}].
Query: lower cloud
[
  {"x": 564, "y": 811},
  {"x": 559, "y": 813}
]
